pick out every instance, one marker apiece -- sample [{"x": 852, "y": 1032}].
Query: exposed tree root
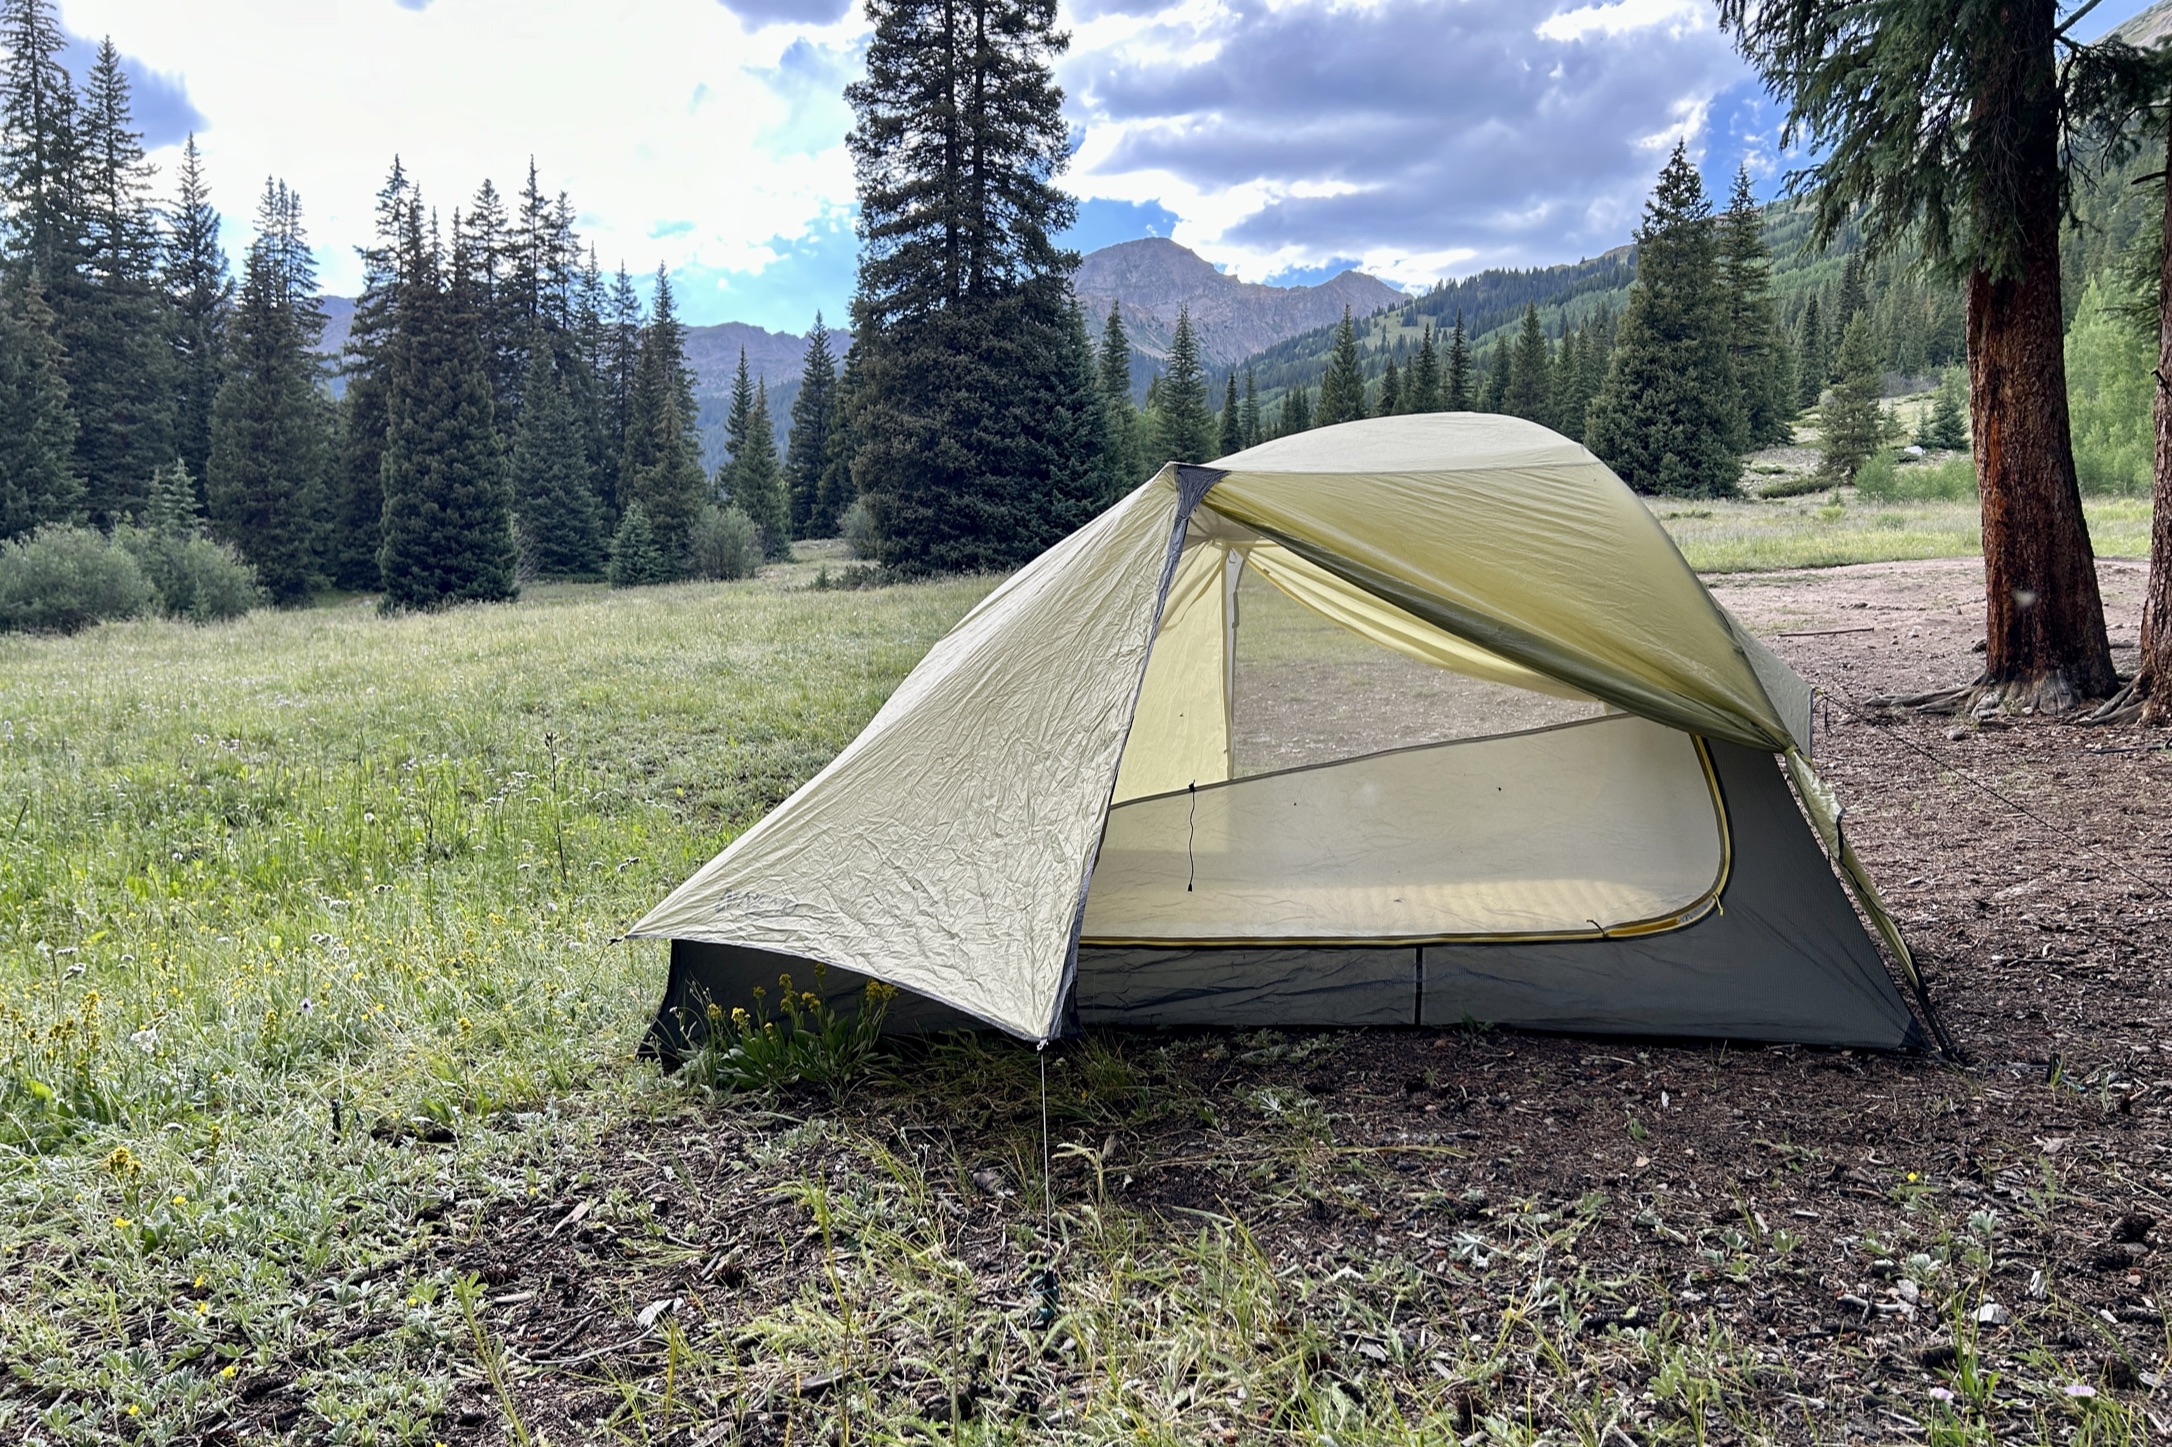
[
  {"x": 2124, "y": 706},
  {"x": 2048, "y": 694}
]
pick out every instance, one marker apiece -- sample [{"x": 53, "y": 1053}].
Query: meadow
[{"x": 314, "y": 1025}]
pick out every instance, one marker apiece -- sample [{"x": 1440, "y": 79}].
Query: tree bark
[
  {"x": 2153, "y": 676},
  {"x": 2045, "y": 644}
]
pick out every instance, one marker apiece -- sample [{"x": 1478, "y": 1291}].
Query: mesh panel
[{"x": 1309, "y": 691}]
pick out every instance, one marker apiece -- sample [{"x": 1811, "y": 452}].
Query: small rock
[
  {"x": 2134, "y": 1227},
  {"x": 1992, "y": 1314},
  {"x": 1909, "y": 1292},
  {"x": 992, "y": 1180}
]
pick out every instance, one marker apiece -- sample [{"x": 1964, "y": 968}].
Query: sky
[{"x": 1283, "y": 140}]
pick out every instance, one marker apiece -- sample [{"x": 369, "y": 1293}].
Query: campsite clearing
[{"x": 350, "y": 1148}]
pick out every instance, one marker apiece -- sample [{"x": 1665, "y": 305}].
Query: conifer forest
[{"x": 506, "y": 407}]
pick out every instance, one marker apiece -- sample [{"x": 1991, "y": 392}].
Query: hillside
[{"x": 1155, "y": 278}]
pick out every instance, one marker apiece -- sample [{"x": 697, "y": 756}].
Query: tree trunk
[
  {"x": 2153, "y": 677},
  {"x": 2045, "y": 645}
]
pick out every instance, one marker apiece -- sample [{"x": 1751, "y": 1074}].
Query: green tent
[{"x": 1049, "y": 823}]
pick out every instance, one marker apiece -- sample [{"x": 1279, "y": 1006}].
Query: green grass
[
  {"x": 326, "y": 867},
  {"x": 1811, "y": 532}
]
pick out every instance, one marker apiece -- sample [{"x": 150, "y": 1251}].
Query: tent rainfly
[{"x": 1045, "y": 826}]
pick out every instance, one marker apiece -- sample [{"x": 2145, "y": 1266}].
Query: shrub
[
  {"x": 1950, "y": 480},
  {"x": 727, "y": 545},
  {"x": 62, "y": 579},
  {"x": 810, "y": 1041},
  {"x": 196, "y": 578},
  {"x": 857, "y": 528}
]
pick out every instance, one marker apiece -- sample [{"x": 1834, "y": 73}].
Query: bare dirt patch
[{"x": 1272, "y": 1236}]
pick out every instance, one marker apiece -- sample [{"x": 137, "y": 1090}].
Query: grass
[
  {"x": 1814, "y": 532},
  {"x": 280, "y": 895},
  {"x": 305, "y": 962}
]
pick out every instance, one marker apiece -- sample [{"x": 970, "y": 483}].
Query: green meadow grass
[
  {"x": 269, "y": 885},
  {"x": 1813, "y": 532}
]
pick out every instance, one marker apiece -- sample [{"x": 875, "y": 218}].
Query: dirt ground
[{"x": 1866, "y": 1232}]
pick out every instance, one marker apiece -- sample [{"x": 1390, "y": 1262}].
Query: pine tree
[
  {"x": 1391, "y": 391},
  {"x": 200, "y": 294},
  {"x": 1564, "y": 408},
  {"x": 1813, "y": 368},
  {"x": 758, "y": 484},
  {"x": 1851, "y": 301},
  {"x": 448, "y": 525},
  {"x": 486, "y": 248},
  {"x": 1667, "y": 418},
  {"x": 1342, "y": 390},
  {"x": 1851, "y": 425},
  {"x": 1753, "y": 328},
  {"x": 1296, "y": 413},
  {"x": 738, "y": 423},
  {"x": 268, "y": 423},
  {"x": 807, "y": 449},
  {"x": 619, "y": 365},
  {"x": 1945, "y": 422},
  {"x": 38, "y": 484},
  {"x": 120, "y": 379},
  {"x": 636, "y": 561},
  {"x": 1232, "y": 435},
  {"x": 967, "y": 420},
  {"x": 1456, "y": 393},
  {"x": 1493, "y": 392},
  {"x": 838, "y": 491},
  {"x": 1183, "y": 428},
  {"x": 1253, "y": 433},
  {"x": 40, "y": 149},
  {"x": 1528, "y": 392},
  {"x": 661, "y": 467},
  {"x": 365, "y": 420},
  {"x": 554, "y": 503},
  {"x": 1424, "y": 388},
  {"x": 174, "y": 509},
  {"x": 1084, "y": 436},
  {"x": 1115, "y": 379}
]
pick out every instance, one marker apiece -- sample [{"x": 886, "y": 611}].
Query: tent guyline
[{"x": 1063, "y": 816}]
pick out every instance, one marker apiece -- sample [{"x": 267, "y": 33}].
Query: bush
[
  {"x": 62, "y": 579},
  {"x": 1951, "y": 480},
  {"x": 196, "y": 578},
  {"x": 727, "y": 545},
  {"x": 857, "y": 527}
]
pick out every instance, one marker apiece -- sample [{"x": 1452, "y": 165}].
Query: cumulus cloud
[
  {"x": 684, "y": 133},
  {"x": 1418, "y": 136}
]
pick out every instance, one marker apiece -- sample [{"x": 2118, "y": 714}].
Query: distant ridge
[{"x": 1155, "y": 278}]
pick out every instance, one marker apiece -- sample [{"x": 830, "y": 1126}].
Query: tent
[{"x": 1052, "y": 821}]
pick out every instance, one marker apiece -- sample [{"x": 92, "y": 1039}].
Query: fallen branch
[{"x": 1828, "y": 632}]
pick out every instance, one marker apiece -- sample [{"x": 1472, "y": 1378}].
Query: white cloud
[
  {"x": 681, "y": 135},
  {"x": 1619, "y": 18}
]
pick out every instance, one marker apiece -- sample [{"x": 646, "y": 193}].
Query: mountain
[{"x": 1154, "y": 278}]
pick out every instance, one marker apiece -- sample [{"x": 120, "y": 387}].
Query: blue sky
[{"x": 1282, "y": 139}]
